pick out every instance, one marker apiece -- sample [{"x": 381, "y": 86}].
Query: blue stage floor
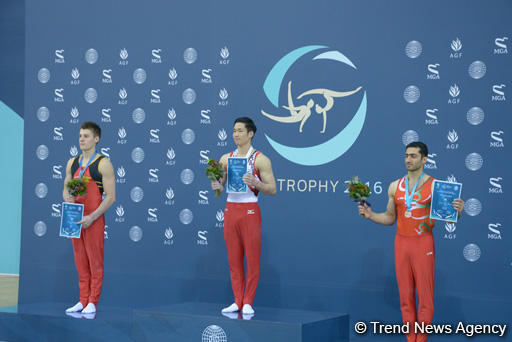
[{"x": 179, "y": 322}]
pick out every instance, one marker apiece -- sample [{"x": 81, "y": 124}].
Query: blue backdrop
[{"x": 165, "y": 80}]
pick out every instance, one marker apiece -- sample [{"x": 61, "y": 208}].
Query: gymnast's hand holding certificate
[
  {"x": 443, "y": 195},
  {"x": 237, "y": 167}
]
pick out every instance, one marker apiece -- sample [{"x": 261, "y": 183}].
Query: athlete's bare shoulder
[
  {"x": 392, "y": 188},
  {"x": 224, "y": 159}
]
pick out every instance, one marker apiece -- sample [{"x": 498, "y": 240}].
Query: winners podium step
[
  {"x": 201, "y": 322},
  {"x": 197, "y": 322}
]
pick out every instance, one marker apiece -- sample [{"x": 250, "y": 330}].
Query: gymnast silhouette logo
[{"x": 300, "y": 109}]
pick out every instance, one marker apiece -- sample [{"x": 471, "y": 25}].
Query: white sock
[
  {"x": 90, "y": 308},
  {"x": 247, "y": 309},
  {"x": 232, "y": 308},
  {"x": 77, "y": 307}
]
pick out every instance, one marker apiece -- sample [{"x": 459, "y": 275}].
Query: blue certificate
[
  {"x": 441, "y": 207},
  {"x": 237, "y": 168},
  {"x": 71, "y": 213}
]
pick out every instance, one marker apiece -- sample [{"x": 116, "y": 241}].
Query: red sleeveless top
[
  {"x": 92, "y": 199},
  {"x": 420, "y": 222}
]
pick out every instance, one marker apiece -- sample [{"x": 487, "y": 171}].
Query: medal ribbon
[
  {"x": 82, "y": 172},
  {"x": 408, "y": 197}
]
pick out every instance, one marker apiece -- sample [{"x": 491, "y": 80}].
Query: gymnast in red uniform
[
  {"x": 88, "y": 249},
  {"x": 409, "y": 205}
]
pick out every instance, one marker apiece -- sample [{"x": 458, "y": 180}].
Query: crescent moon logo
[{"x": 331, "y": 149}]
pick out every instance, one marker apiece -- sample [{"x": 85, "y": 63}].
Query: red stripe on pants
[
  {"x": 414, "y": 264},
  {"x": 88, "y": 250},
  {"x": 242, "y": 233}
]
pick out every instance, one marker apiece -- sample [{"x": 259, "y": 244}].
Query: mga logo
[
  {"x": 154, "y": 138},
  {"x": 155, "y": 96},
  {"x": 497, "y": 140},
  {"x": 56, "y": 210},
  {"x": 433, "y": 71},
  {"x": 431, "y": 117},
  {"x": 499, "y": 92},
  {"x": 202, "y": 240},
  {"x": 300, "y": 106},
  {"x": 59, "y": 95},
  {"x": 203, "y": 197},
  {"x": 105, "y": 115},
  {"x": 155, "y": 56},
  {"x": 59, "y": 56},
  {"x": 205, "y": 117},
  {"x": 57, "y": 133},
  {"x": 494, "y": 234},
  {"x": 431, "y": 162},
  {"x": 105, "y": 151},
  {"x": 153, "y": 175},
  {"x": 501, "y": 47},
  {"x": 204, "y": 157},
  {"x": 496, "y": 187},
  {"x": 152, "y": 216},
  {"x": 206, "y": 76},
  {"x": 107, "y": 78},
  {"x": 57, "y": 172}
]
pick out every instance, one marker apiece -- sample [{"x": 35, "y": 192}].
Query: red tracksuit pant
[
  {"x": 89, "y": 254},
  {"x": 242, "y": 233},
  {"x": 414, "y": 264}
]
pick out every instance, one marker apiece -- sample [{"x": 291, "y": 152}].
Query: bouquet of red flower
[
  {"x": 77, "y": 186},
  {"x": 215, "y": 172},
  {"x": 358, "y": 191}
]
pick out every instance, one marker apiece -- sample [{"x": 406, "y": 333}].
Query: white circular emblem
[
  {"x": 91, "y": 95},
  {"x": 411, "y": 94},
  {"x": 475, "y": 115},
  {"x": 135, "y": 233},
  {"x": 472, "y": 252},
  {"x": 41, "y": 190},
  {"x": 409, "y": 137},
  {"x": 473, "y": 207},
  {"x": 187, "y": 176},
  {"x": 43, "y": 114},
  {"x": 413, "y": 49},
  {"x": 186, "y": 216},
  {"x": 474, "y": 161},
  {"x": 138, "y": 155},
  {"x": 477, "y": 69},
  {"x": 188, "y": 136},
  {"x": 190, "y": 55},
  {"x": 43, "y": 75},
  {"x": 139, "y": 76},
  {"x": 40, "y": 228},
  {"x": 136, "y": 194},
  {"x": 214, "y": 333},
  {"x": 189, "y": 96},
  {"x": 91, "y": 56},
  {"x": 139, "y": 115},
  {"x": 42, "y": 152}
]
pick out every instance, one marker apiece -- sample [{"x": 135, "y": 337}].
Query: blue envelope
[
  {"x": 71, "y": 213},
  {"x": 443, "y": 194},
  {"x": 237, "y": 168}
]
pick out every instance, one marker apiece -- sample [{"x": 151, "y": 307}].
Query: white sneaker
[
  {"x": 232, "y": 308},
  {"x": 247, "y": 310},
  {"x": 77, "y": 307},
  {"x": 89, "y": 309}
]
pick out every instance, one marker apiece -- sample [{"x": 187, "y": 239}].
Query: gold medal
[{"x": 408, "y": 214}]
